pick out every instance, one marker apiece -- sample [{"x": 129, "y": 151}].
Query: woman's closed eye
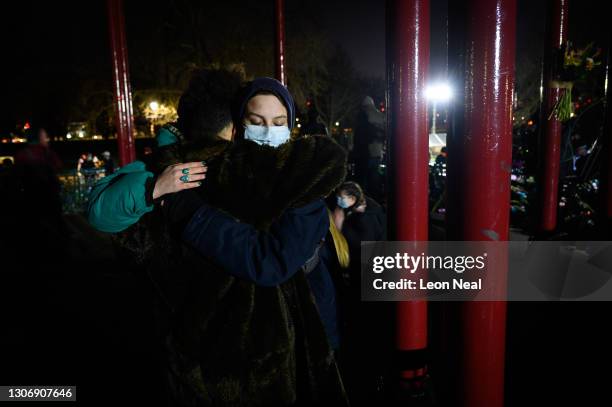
[{"x": 279, "y": 123}]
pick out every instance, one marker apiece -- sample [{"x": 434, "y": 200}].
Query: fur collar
[{"x": 257, "y": 183}]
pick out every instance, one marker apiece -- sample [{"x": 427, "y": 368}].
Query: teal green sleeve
[
  {"x": 118, "y": 201},
  {"x": 165, "y": 137}
]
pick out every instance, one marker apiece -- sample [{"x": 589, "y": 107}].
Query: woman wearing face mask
[
  {"x": 233, "y": 342},
  {"x": 150, "y": 229},
  {"x": 263, "y": 111},
  {"x": 359, "y": 217},
  {"x": 118, "y": 202}
]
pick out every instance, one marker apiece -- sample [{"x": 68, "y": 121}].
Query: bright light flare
[{"x": 440, "y": 92}]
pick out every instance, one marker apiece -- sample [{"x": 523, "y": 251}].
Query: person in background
[
  {"x": 437, "y": 179},
  {"x": 107, "y": 163},
  {"x": 442, "y": 157},
  {"x": 80, "y": 162},
  {"x": 38, "y": 166},
  {"x": 358, "y": 217},
  {"x": 86, "y": 163},
  {"x": 315, "y": 125},
  {"x": 38, "y": 153},
  {"x": 365, "y": 325},
  {"x": 369, "y": 147},
  {"x": 38, "y": 197}
]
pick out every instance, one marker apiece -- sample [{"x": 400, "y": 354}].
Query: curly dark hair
[{"x": 204, "y": 107}]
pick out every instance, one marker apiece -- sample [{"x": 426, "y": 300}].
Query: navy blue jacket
[
  {"x": 324, "y": 291},
  {"x": 273, "y": 257}
]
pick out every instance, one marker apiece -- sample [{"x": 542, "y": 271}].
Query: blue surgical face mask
[
  {"x": 272, "y": 136},
  {"x": 341, "y": 202}
]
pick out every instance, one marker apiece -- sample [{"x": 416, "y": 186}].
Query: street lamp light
[
  {"x": 154, "y": 106},
  {"x": 438, "y": 93}
]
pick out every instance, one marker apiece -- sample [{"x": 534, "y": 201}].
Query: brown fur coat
[{"x": 231, "y": 342}]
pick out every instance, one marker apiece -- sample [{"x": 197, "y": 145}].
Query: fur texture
[
  {"x": 233, "y": 343},
  {"x": 257, "y": 183}
]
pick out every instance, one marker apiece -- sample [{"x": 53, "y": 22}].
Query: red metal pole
[
  {"x": 552, "y": 132},
  {"x": 407, "y": 63},
  {"x": 121, "y": 81},
  {"x": 279, "y": 43},
  {"x": 479, "y": 173}
]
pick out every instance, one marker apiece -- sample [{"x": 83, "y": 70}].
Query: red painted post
[
  {"x": 479, "y": 174},
  {"x": 121, "y": 83},
  {"x": 279, "y": 43},
  {"x": 551, "y": 145},
  {"x": 407, "y": 63}
]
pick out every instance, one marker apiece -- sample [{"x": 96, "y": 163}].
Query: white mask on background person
[
  {"x": 272, "y": 136},
  {"x": 341, "y": 202}
]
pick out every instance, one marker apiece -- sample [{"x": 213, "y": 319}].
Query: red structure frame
[
  {"x": 124, "y": 115},
  {"x": 407, "y": 64},
  {"x": 479, "y": 160},
  {"x": 551, "y": 145},
  {"x": 279, "y": 43},
  {"x": 479, "y": 166}
]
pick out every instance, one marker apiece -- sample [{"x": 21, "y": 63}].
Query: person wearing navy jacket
[
  {"x": 271, "y": 258},
  {"x": 267, "y": 259},
  {"x": 256, "y": 322}
]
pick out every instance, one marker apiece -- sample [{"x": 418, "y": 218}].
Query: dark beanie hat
[{"x": 267, "y": 85}]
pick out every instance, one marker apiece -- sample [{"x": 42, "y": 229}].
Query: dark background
[{"x": 87, "y": 321}]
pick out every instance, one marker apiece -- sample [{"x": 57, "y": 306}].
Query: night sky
[{"x": 56, "y": 51}]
